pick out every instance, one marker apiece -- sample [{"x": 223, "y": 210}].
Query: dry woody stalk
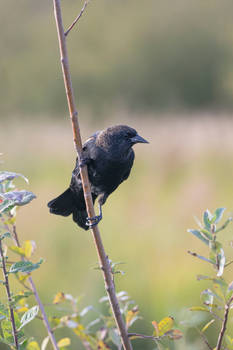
[{"x": 103, "y": 259}]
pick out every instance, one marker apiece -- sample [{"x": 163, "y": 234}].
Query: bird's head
[{"x": 120, "y": 137}]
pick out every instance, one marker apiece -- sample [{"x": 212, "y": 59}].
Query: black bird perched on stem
[{"x": 109, "y": 157}]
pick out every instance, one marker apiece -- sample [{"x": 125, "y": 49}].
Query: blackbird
[{"x": 109, "y": 157}]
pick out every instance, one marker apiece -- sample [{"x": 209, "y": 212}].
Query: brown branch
[
  {"x": 77, "y": 18},
  {"x": 41, "y": 306},
  {"x": 103, "y": 259},
  {"x": 224, "y": 324},
  {"x": 7, "y": 286}
]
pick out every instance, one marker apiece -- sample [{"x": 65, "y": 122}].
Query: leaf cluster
[{"x": 219, "y": 296}]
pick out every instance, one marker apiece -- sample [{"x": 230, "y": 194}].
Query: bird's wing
[
  {"x": 86, "y": 154},
  {"x": 130, "y": 164},
  {"x": 90, "y": 140}
]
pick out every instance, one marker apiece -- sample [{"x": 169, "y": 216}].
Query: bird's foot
[
  {"x": 91, "y": 222},
  {"x": 83, "y": 162}
]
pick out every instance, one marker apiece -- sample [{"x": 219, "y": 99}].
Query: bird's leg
[
  {"x": 91, "y": 222},
  {"x": 96, "y": 219}
]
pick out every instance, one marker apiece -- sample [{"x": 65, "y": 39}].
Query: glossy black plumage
[{"x": 109, "y": 157}]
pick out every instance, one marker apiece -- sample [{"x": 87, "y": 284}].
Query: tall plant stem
[
  {"x": 224, "y": 324},
  {"x": 7, "y": 286},
  {"x": 103, "y": 259},
  {"x": 41, "y": 306}
]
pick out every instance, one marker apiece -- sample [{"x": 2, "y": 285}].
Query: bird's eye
[{"x": 129, "y": 135}]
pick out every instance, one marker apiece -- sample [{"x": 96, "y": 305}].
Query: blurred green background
[
  {"x": 138, "y": 55},
  {"x": 167, "y": 70}
]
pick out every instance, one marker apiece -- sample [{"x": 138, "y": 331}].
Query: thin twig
[
  {"x": 7, "y": 286},
  {"x": 224, "y": 324},
  {"x": 139, "y": 335},
  {"x": 41, "y": 306},
  {"x": 103, "y": 259},
  {"x": 77, "y": 18},
  {"x": 202, "y": 335},
  {"x": 200, "y": 257},
  {"x": 228, "y": 263}
]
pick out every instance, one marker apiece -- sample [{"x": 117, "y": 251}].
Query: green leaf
[
  {"x": 221, "y": 262},
  {"x": 224, "y": 225},
  {"x": 230, "y": 290},
  {"x": 215, "y": 246},
  {"x": 86, "y": 310},
  {"x": 207, "y": 325},
  {"x": 22, "y": 295},
  {"x": 210, "y": 292},
  {"x": 4, "y": 310},
  {"x": 207, "y": 217},
  {"x": 7, "y": 175},
  {"x": 33, "y": 345},
  {"x": 207, "y": 234},
  {"x": 7, "y": 330},
  {"x": 5, "y": 235},
  {"x": 229, "y": 342},
  {"x": 25, "y": 266},
  {"x": 218, "y": 215},
  {"x": 45, "y": 343},
  {"x": 201, "y": 257},
  {"x": 29, "y": 316},
  {"x": 18, "y": 197},
  {"x": 207, "y": 298},
  {"x": 219, "y": 281},
  {"x": 63, "y": 342},
  {"x": 115, "y": 337},
  {"x": 5, "y": 204},
  {"x": 17, "y": 250},
  {"x": 198, "y": 308},
  {"x": 198, "y": 234}
]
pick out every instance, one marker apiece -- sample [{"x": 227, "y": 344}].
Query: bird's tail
[
  {"x": 80, "y": 217},
  {"x": 65, "y": 205}
]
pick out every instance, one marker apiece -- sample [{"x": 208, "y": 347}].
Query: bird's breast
[{"x": 106, "y": 175}]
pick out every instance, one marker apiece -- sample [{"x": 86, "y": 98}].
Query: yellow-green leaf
[
  {"x": 64, "y": 342},
  {"x": 22, "y": 309},
  {"x": 29, "y": 248},
  {"x": 102, "y": 346},
  {"x": 33, "y": 345},
  {"x": 165, "y": 325},
  {"x": 198, "y": 308},
  {"x": 229, "y": 341},
  {"x": 207, "y": 325},
  {"x": 22, "y": 278},
  {"x": 80, "y": 332},
  {"x": 59, "y": 298},
  {"x": 130, "y": 316},
  {"x": 17, "y": 250}
]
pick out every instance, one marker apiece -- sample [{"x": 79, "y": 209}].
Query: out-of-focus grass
[{"x": 186, "y": 168}]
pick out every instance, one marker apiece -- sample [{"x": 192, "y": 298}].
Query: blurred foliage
[
  {"x": 136, "y": 55},
  {"x": 218, "y": 299}
]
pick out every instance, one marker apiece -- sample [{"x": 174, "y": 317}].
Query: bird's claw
[
  {"x": 91, "y": 222},
  {"x": 83, "y": 162}
]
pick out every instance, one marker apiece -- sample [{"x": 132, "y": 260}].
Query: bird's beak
[{"x": 138, "y": 139}]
